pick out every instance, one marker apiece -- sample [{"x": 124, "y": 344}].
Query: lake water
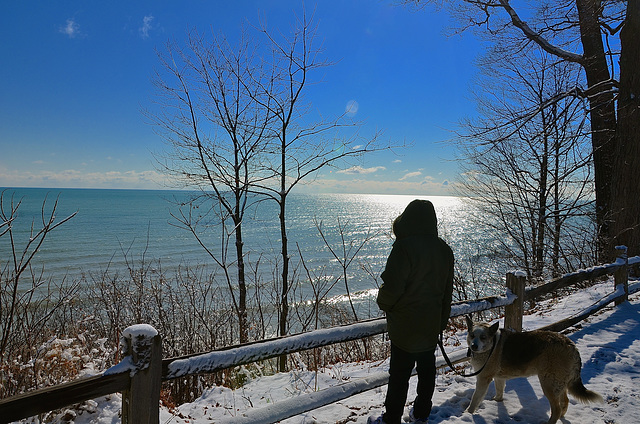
[{"x": 115, "y": 226}]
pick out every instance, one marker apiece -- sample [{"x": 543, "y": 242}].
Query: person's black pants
[{"x": 400, "y": 368}]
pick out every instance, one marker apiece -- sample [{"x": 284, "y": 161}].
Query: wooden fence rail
[{"x": 138, "y": 376}]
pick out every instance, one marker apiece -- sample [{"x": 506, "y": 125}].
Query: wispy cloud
[
  {"x": 358, "y": 170},
  {"x": 410, "y": 175},
  {"x": 397, "y": 161},
  {"x": 71, "y": 29},
  {"x": 146, "y": 26}
]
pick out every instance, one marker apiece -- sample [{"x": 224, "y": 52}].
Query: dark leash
[{"x": 446, "y": 358}]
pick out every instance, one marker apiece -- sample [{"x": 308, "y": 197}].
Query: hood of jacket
[{"x": 419, "y": 217}]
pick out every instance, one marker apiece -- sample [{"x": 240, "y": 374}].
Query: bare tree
[
  {"x": 301, "y": 145},
  {"x": 27, "y": 299},
  {"x": 593, "y": 34},
  {"x": 241, "y": 130},
  {"x": 217, "y": 124},
  {"x": 527, "y": 163},
  {"x": 346, "y": 252}
]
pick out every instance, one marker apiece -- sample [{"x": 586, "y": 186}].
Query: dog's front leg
[{"x": 482, "y": 384}]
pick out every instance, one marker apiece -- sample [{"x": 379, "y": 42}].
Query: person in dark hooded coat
[{"x": 416, "y": 297}]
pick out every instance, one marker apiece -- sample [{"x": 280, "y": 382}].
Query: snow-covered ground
[{"x": 608, "y": 343}]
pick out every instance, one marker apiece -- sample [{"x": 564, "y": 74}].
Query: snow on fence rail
[
  {"x": 566, "y": 280},
  {"x": 140, "y": 373},
  {"x": 270, "y": 348},
  {"x": 264, "y": 349}
]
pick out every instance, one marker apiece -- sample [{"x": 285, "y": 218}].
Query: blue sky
[{"x": 75, "y": 76}]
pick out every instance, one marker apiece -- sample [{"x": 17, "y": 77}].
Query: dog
[{"x": 503, "y": 354}]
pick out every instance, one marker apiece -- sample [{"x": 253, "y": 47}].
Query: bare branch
[{"x": 537, "y": 38}]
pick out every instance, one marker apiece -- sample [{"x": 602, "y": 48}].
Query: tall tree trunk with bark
[
  {"x": 242, "y": 283},
  {"x": 284, "y": 295},
  {"x": 603, "y": 113},
  {"x": 541, "y": 217},
  {"x": 625, "y": 182}
]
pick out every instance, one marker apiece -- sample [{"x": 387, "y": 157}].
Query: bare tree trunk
[
  {"x": 557, "y": 219},
  {"x": 603, "y": 115},
  {"x": 625, "y": 181},
  {"x": 242, "y": 286},
  {"x": 239, "y": 191},
  {"x": 284, "y": 243},
  {"x": 284, "y": 299},
  {"x": 542, "y": 198}
]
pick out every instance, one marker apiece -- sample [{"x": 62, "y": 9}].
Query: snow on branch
[{"x": 537, "y": 38}]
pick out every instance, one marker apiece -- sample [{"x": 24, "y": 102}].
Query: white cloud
[
  {"x": 411, "y": 175},
  {"x": 358, "y": 170},
  {"x": 73, "y": 178},
  {"x": 364, "y": 186},
  {"x": 146, "y": 26},
  {"x": 71, "y": 29},
  {"x": 397, "y": 161},
  {"x": 151, "y": 179}
]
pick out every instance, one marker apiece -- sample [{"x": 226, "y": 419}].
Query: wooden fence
[{"x": 139, "y": 375}]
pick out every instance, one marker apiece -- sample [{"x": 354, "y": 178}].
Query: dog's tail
[
  {"x": 576, "y": 387},
  {"x": 577, "y": 390}
]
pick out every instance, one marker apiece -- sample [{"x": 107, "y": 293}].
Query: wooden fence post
[
  {"x": 621, "y": 276},
  {"x": 513, "y": 313},
  {"x": 141, "y": 402}
]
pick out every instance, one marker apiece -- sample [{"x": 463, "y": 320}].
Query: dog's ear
[
  {"x": 469, "y": 322},
  {"x": 494, "y": 328}
]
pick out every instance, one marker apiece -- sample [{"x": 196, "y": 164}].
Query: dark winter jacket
[{"x": 417, "y": 280}]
